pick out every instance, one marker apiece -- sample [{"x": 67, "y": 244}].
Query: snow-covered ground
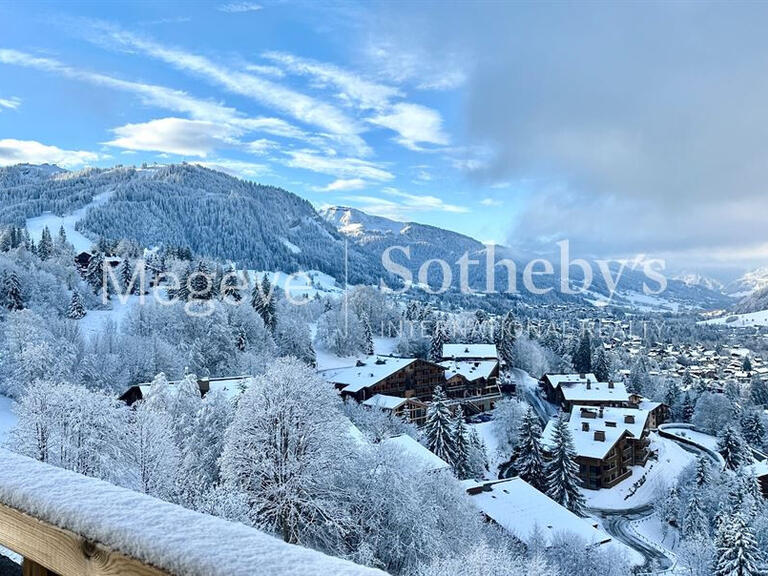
[
  {"x": 300, "y": 285},
  {"x": 740, "y": 320},
  {"x": 7, "y": 418},
  {"x": 327, "y": 360},
  {"x": 488, "y": 436},
  {"x": 671, "y": 461},
  {"x": 709, "y": 442},
  {"x": 53, "y": 222},
  {"x": 95, "y": 320}
]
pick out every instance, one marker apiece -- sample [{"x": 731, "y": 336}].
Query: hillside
[{"x": 212, "y": 213}]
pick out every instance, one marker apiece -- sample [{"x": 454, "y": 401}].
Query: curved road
[{"x": 618, "y": 522}]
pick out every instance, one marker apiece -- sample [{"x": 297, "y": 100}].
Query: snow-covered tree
[
  {"x": 340, "y": 331},
  {"x": 439, "y": 338},
  {"x": 13, "y": 298},
  {"x": 76, "y": 308},
  {"x": 280, "y": 449},
  {"x": 601, "y": 366},
  {"x": 94, "y": 274},
  {"x": 695, "y": 521},
  {"x": 367, "y": 337},
  {"x": 759, "y": 390},
  {"x": 731, "y": 446},
  {"x": 505, "y": 340},
  {"x": 263, "y": 298},
  {"x": 529, "y": 462},
  {"x": 438, "y": 428},
  {"x": 737, "y": 553},
  {"x": 508, "y": 416},
  {"x": 688, "y": 407},
  {"x": 45, "y": 247},
  {"x": 461, "y": 446},
  {"x": 703, "y": 472},
  {"x": 638, "y": 377},
  {"x": 753, "y": 428},
  {"x": 154, "y": 456},
  {"x": 582, "y": 357},
  {"x": 562, "y": 471}
]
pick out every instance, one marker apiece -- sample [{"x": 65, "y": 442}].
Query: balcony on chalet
[{"x": 62, "y": 523}]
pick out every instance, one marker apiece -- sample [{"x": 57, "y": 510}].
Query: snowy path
[
  {"x": 79, "y": 241},
  {"x": 528, "y": 389}
]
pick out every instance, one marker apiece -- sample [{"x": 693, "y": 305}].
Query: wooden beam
[{"x": 49, "y": 550}]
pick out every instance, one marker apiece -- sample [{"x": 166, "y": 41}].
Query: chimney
[
  {"x": 629, "y": 419},
  {"x": 589, "y": 385},
  {"x": 611, "y": 385},
  {"x": 601, "y": 411},
  {"x": 600, "y": 435},
  {"x": 585, "y": 426},
  {"x": 204, "y": 385}
]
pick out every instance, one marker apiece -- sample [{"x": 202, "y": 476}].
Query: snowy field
[
  {"x": 488, "y": 436},
  {"x": 300, "y": 285},
  {"x": 53, "y": 222},
  {"x": 328, "y": 360},
  {"x": 740, "y": 320},
  {"x": 662, "y": 472}
]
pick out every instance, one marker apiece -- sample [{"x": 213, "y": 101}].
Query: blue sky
[
  {"x": 626, "y": 128},
  {"x": 286, "y": 94}
]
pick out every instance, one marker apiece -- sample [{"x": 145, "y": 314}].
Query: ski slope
[{"x": 740, "y": 320}]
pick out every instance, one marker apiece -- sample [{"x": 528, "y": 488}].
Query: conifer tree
[
  {"x": 688, "y": 407},
  {"x": 367, "y": 336},
  {"x": 687, "y": 379},
  {"x": 562, "y": 471},
  {"x": 601, "y": 365},
  {"x": 461, "y": 447},
  {"x": 752, "y": 428},
  {"x": 12, "y": 295},
  {"x": 125, "y": 276},
  {"x": 746, "y": 366},
  {"x": 76, "y": 309},
  {"x": 582, "y": 357},
  {"x": 182, "y": 293},
  {"x": 703, "y": 473},
  {"x": 759, "y": 390},
  {"x": 529, "y": 462},
  {"x": 438, "y": 427},
  {"x": 45, "y": 247},
  {"x": 737, "y": 552},
  {"x": 94, "y": 274},
  {"x": 262, "y": 300},
  {"x": 437, "y": 342},
  {"x": 505, "y": 341},
  {"x": 731, "y": 446},
  {"x": 230, "y": 291},
  {"x": 695, "y": 522}
]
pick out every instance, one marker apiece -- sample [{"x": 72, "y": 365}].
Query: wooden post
[{"x": 30, "y": 568}]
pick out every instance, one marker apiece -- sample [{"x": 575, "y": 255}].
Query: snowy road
[
  {"x": 618, "y": 523},
  {"x": 528, "y": 390}
]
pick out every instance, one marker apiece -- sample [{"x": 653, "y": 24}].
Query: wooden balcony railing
[{"x": 66, "y": 524}]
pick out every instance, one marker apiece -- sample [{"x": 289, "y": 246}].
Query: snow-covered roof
[
  {"x": 525, "y": 512},
  {"x": 558, "y": 379},
  {"x": 649, "y": 405},
  {"x": 171, "y": 538},
  {"x": 593, "y": 391},
  {"x": 584, "y": 440},
  {"x": 758, "y": 469},
  {"x": 470, "y": 351},
  {"x": 471, "y": 370},
  {"x": 230, "y": 387},
  {"x": 406, "y": 445},
  {"x": 385, "y": 402},
  {"x": 371, "y": 371}
]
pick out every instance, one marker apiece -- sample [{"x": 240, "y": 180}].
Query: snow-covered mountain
[
  {"x": 755, "y": 302},
  {"x": 749, "y": 283},
  {"x": 696, "y": 279},
  {"x": 212, "y": 213}
]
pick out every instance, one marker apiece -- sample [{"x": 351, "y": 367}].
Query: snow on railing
[{"x": 72, "y": 525}]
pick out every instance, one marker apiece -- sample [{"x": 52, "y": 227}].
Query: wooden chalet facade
[
  {"x": 607, "y": 441},
  {"x": 388, "y": 376}
]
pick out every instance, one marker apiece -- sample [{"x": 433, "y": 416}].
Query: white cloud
[
  {"x": 353, "y": 89},
  {"x": 342, "y": 168},
  {"x": 239, "y": 7},
  {"x": 237, "y": 168},
  {"x": 344, "y": 185},
  {"x": 173, "y": 136},
  {"x": 262, "y": 146},
  {"x": 32, "y": 152},
  {"x": 421, "y": 203},
  {"x": 417, "y": 65},
  {"x": 10, "y": 103},
  {"x": 491, "y": 202},
  {"x": 416, "y": 124},
  {"x": 299, "y": 106}
]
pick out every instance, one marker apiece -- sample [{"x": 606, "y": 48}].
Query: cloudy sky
[{"x": 626, "y": 128}]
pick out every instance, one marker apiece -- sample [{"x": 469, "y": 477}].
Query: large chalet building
[
  {"x": 468, "y": 374},
  {"x": 607, "y": 442},
  {"x": 568, "y": 390}
]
